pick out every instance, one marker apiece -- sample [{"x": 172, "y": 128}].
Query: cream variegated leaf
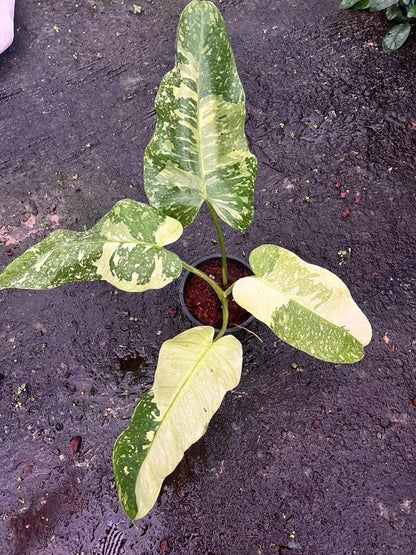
[
  {"x": 305, "y": 305},
  {"x": 124, "y": 248},
  {"x": 199, "y": 150},
  {"x": 192, "y": 376}
]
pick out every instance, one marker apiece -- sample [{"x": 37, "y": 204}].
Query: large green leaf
[
  {"x": 396, "y": 37},
  {"x": 199, "y": 150},
  {"x": 305, "y": 305},
  {"x": 192, "y": 376},
  {"x": 124, "y": 248}
]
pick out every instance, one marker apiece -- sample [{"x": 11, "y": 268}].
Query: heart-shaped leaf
[
  {"x": 199, "y": 150},
  {"x": 305, "y": 305},
  {"x": 192, "y": 376},
  {"x": 124, "y": 248}
]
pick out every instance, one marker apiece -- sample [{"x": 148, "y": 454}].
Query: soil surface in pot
[{"x": 202, "y": 301}]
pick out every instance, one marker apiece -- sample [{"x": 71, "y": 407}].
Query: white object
[{"x": 6, "y": 24}]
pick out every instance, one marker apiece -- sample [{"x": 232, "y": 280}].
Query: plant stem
[
  {"x": 222, "y": 243},
  {"x": 224, "y": 319},
  {"x": 206, "y": 278},
  {"x": 229, "y": 290},
  {"x": 220, "y": 293}
]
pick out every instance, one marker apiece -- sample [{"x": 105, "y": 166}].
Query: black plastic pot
[{"x": 187, "y": 276}]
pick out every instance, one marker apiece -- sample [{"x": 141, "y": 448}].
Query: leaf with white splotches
[
  {"x": 396, "y": 37},
  {"x": 124, "y": 248},
  {"x": 305, "y": 305},
  {"x": 199, "y": 150},
  {"x": 192, "y": 376}
]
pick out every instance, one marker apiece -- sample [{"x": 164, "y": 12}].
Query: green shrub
[{"x": 402, "y": 10}]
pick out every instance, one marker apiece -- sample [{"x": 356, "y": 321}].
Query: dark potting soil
[{"x": 202, "y": 301}]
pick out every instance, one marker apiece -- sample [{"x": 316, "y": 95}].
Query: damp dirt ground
[{"x": 318, "y": 460}]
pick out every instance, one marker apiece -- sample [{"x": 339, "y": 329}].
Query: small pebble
[
  {"x": 75, "y": 445},
  {"x": 164, "y": 546}
]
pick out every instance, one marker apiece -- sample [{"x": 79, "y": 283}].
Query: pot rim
[{"x": 186, "y": 277}]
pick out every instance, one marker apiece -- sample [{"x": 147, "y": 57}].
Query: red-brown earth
[{"x": 202, "y": 301}]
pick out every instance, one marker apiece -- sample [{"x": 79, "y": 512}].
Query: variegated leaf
[
  {"x": 305, "y": 305},
  {"x": 192, "y": 376},
  {"x": 199, "y": 150},
  {"x": 124, "y": 248}
]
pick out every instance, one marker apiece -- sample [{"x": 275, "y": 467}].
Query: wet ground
[{"x": 318, "y": 460}]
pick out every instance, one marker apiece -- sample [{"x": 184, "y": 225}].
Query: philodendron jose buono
[{"x": 198, "y": 155}]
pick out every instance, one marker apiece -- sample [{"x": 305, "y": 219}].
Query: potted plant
[{"x": 198, "y": 155}]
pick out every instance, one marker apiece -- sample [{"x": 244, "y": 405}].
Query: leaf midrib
[
  {"x": 54, "y": 250},
  {"x": 173, "y": 402},
  {"x": 81, "y": 242},
  {"x": 201, "y": 161}
]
